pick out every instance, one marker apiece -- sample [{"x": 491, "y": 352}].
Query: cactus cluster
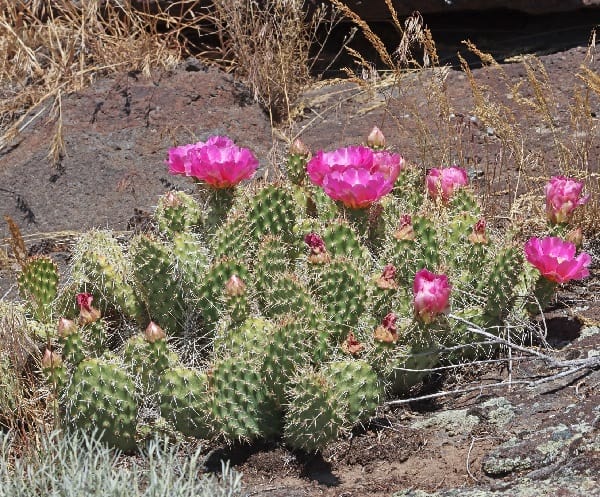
[{"x": 281, "y": 312}]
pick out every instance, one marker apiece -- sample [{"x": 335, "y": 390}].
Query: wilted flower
[
  {"x": 376, "y": 139},
  {"x": 153, "y": 332},
  {"x": 352, "y": 346},
  {"x": 87, "y": 313},
  {"x": 387, "y": 280},
  {"x": 356, "y": 176},
  {"x": 318, "y": 251},
  {"x": 445, "y": 181},
  {"x": 387, "y": 331},
  {"x": 555, "y": 259},
  {"x": 478, "y": 234},
  {"x": 218, "y": 162},
  {"x": 431, "y": 295},
  {"x": 405, "y": 229},
  {"x": 563, "y": 195}
]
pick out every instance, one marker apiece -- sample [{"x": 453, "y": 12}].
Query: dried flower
[
  {"x": 478, "y": 234},
  {"x": 51, "y": 360},
  {"x": 387, "y": 280},
  {"x": 352, "y": 346},
  {"x": 442, "y": 183},
  {"x": 563, "y": 195},
  {"x": 87, "y": 313},
  {"x": 235, "y": 287},
  {"x": 405, "y": 229},
  {"x": 66, "y": 327},
  {"x": 431, "y": 295},
  {"x": 387, "y": 331},
  {"x": 555, "y": 259},
  {"x": 318, "y": 251}
]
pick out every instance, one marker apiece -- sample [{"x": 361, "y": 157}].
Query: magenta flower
[
  {"x": 218, "y": 162},
  {"x": 563, "y": 195},
  {"x": 445, "y": 181},
  {"x": 431, "y": 295},
  {"x": 356, "y": 176},
  {"x": 555, "y": 259}
]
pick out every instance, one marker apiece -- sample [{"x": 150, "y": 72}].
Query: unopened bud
[
  {"x": 153, "y": 332},
  {"x": 235, "y": 287},
  {"x": 376, "y": 139},
  {"x": 387, "y": 280},
  {"x": 171, "y": 200},
  {"x": 51, "y": 360},
  {"x": 66, "y": 327},
  {"x": 575, "y": 236},
  {"x": 298, "y": 147},
  {"x": 405, "y": 229}
]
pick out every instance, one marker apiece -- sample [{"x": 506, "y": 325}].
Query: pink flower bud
[
  {"x": 442, "y": 183},
  {"x": 555, "y": 259},
  {"x": 387, "y": 280},
  {"x": 575, "y": 236},
  {"x": 405, "y": 229},
  {"x": 171, "y": 200},
  {"x": 235, "y": 287},
  {"x": 376, "y": 139},
  {"x": 387, "y": 331},
  {"x": 431, "y": 295},
  {"x": 563, "y": 195},
  {"x": 153, "y": 333},
  {"x": 66, "y": 327}
]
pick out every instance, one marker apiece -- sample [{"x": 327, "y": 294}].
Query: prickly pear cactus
[
  {"x": 38, "y": 286},
  {"x": 100, "y": 396}
]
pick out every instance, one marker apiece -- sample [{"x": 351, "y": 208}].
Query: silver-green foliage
[{"x": 77, "y": 465}]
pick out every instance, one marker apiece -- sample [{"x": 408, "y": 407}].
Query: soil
[{"x": 539, "y": 439}]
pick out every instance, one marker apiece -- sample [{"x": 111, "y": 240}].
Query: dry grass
[{"x": 49, "y": 48}]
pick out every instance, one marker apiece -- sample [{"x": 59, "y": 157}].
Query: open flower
[
  {"x": 442, "y": 183},
  {"x": 563, "y": 195},
  {"x": 356, "y": 176},
  {"x": 218, "y": 162},
  {"x": 555, "y": 259},
  {"x": 431, "y": 295}
]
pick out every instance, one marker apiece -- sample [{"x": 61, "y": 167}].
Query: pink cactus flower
[
  {"x": 431, "y": 295},
  {"x": 555, "y": 259},
  {"x": 442, "y": 183},
  {"x": 356, "y": 176},
  {"x": 563, "y": 195},
  {"x": 218, "y": 162}
]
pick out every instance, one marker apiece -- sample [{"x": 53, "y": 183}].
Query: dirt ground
[{"x": 526, "y": 440}]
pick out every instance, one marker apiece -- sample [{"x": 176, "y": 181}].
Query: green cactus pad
[
  {"x": 101, "y": 397},
  {"x": 38, "y": 286},
  {"x": 177, "y": 212},
  {"x": 185, "y": 401},
  {"x": 273, "y": 211}
]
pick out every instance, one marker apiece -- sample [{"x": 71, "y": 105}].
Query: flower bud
[
  {"x": 51, "y": 360},
  {"x": 171, "y": 200},
  {"x": 235, "y": 287},
  {"x": 66, "y": 327},
  {"x": 387, "y": 331},
  {"x": 299, "y": 148},
  {"x": 376, "y": 139},
  {"x": 563, "y": 196},
  {"x": 575, "y": 236},
  {"x": 153, "y": 333}
]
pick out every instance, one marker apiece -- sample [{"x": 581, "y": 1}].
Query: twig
[{"x": 468, "y": 459}]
